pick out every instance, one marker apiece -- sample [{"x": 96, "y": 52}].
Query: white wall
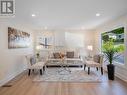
[
  {"x": 80, "y": 40},
  {"x": 71, "y": 39},
  {"x": 12, "y": 61},
  {"x": 59, "y": 38},
  {"x": 121, "y": 70},
  {"x": 74, "y": 40}
]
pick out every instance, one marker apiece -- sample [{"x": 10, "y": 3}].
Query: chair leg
[
  {"x": 102, "y": 70},
  {"x": 44, "y": 67},
  {"x": 88, "y": 70},
  {"x": 97, "y": 68},
  {"x": 40, "y": 71},
  {"x": 29, "y": 72},
  {"x": 84, "y": 67}
]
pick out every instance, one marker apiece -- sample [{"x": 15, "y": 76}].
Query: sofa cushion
[{"x": 70, "y": 54}]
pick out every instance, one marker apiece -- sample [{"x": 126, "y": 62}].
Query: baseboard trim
[
  {"x": 7, "y": 79},
  {"x": 120, "y": 77}
]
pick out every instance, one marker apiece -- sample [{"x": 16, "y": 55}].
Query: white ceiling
[{"x": 68, "y": 14}]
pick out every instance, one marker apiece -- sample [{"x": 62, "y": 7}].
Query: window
[{"x": 118, "y": 37}]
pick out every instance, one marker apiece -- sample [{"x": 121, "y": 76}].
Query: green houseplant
[{"x": 111, "y": 51}]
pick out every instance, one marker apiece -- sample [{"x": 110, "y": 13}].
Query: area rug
[{"x": 59, "y": 75}]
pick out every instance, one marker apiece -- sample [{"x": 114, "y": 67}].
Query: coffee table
[{"x": 64, "y": 63}]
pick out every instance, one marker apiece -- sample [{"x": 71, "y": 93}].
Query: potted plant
[{"x": 111, "y": 51}]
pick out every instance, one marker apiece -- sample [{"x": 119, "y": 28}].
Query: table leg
[
  {"x": 84, "y": 67},
  {"x": 88, "y": 70},
  {"x": 29, "y": 72},
  {"x": 40, "y": 71}
]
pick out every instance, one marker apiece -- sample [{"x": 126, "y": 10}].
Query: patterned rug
[{"x": 64, "y": 75}]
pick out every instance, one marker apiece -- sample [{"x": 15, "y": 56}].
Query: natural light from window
[{"x": 117, "y": 35}]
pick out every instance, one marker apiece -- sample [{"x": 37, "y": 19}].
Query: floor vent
[{"x": 7, "y": 86}]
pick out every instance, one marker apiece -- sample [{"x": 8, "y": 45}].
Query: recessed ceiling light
[
  {"x": 33, "y": 15},
  {"x": 98, "y": 14}
]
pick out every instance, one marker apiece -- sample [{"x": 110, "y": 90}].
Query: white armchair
[
  {"x": 96, "y": 62},
  {"x": 32, "y": 64}
]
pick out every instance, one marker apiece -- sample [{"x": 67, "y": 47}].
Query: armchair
[
  {"x": 96, "y": 62},
  {"x": 32, "y": 64}
]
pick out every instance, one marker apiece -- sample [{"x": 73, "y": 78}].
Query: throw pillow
[{"x": 70, "y": 54}]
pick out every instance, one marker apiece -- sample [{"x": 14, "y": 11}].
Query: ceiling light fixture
[
  {"x": 33, "y": 15},
  {"x": 98, "y": 14}
]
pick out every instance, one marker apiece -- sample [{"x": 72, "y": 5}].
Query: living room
[{"x": 61, "y": 27}]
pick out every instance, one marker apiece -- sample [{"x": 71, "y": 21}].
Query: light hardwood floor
[{"x": 23, "y": 85}]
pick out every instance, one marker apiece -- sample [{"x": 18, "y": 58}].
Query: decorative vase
[{"x": 111, "y": 71}]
